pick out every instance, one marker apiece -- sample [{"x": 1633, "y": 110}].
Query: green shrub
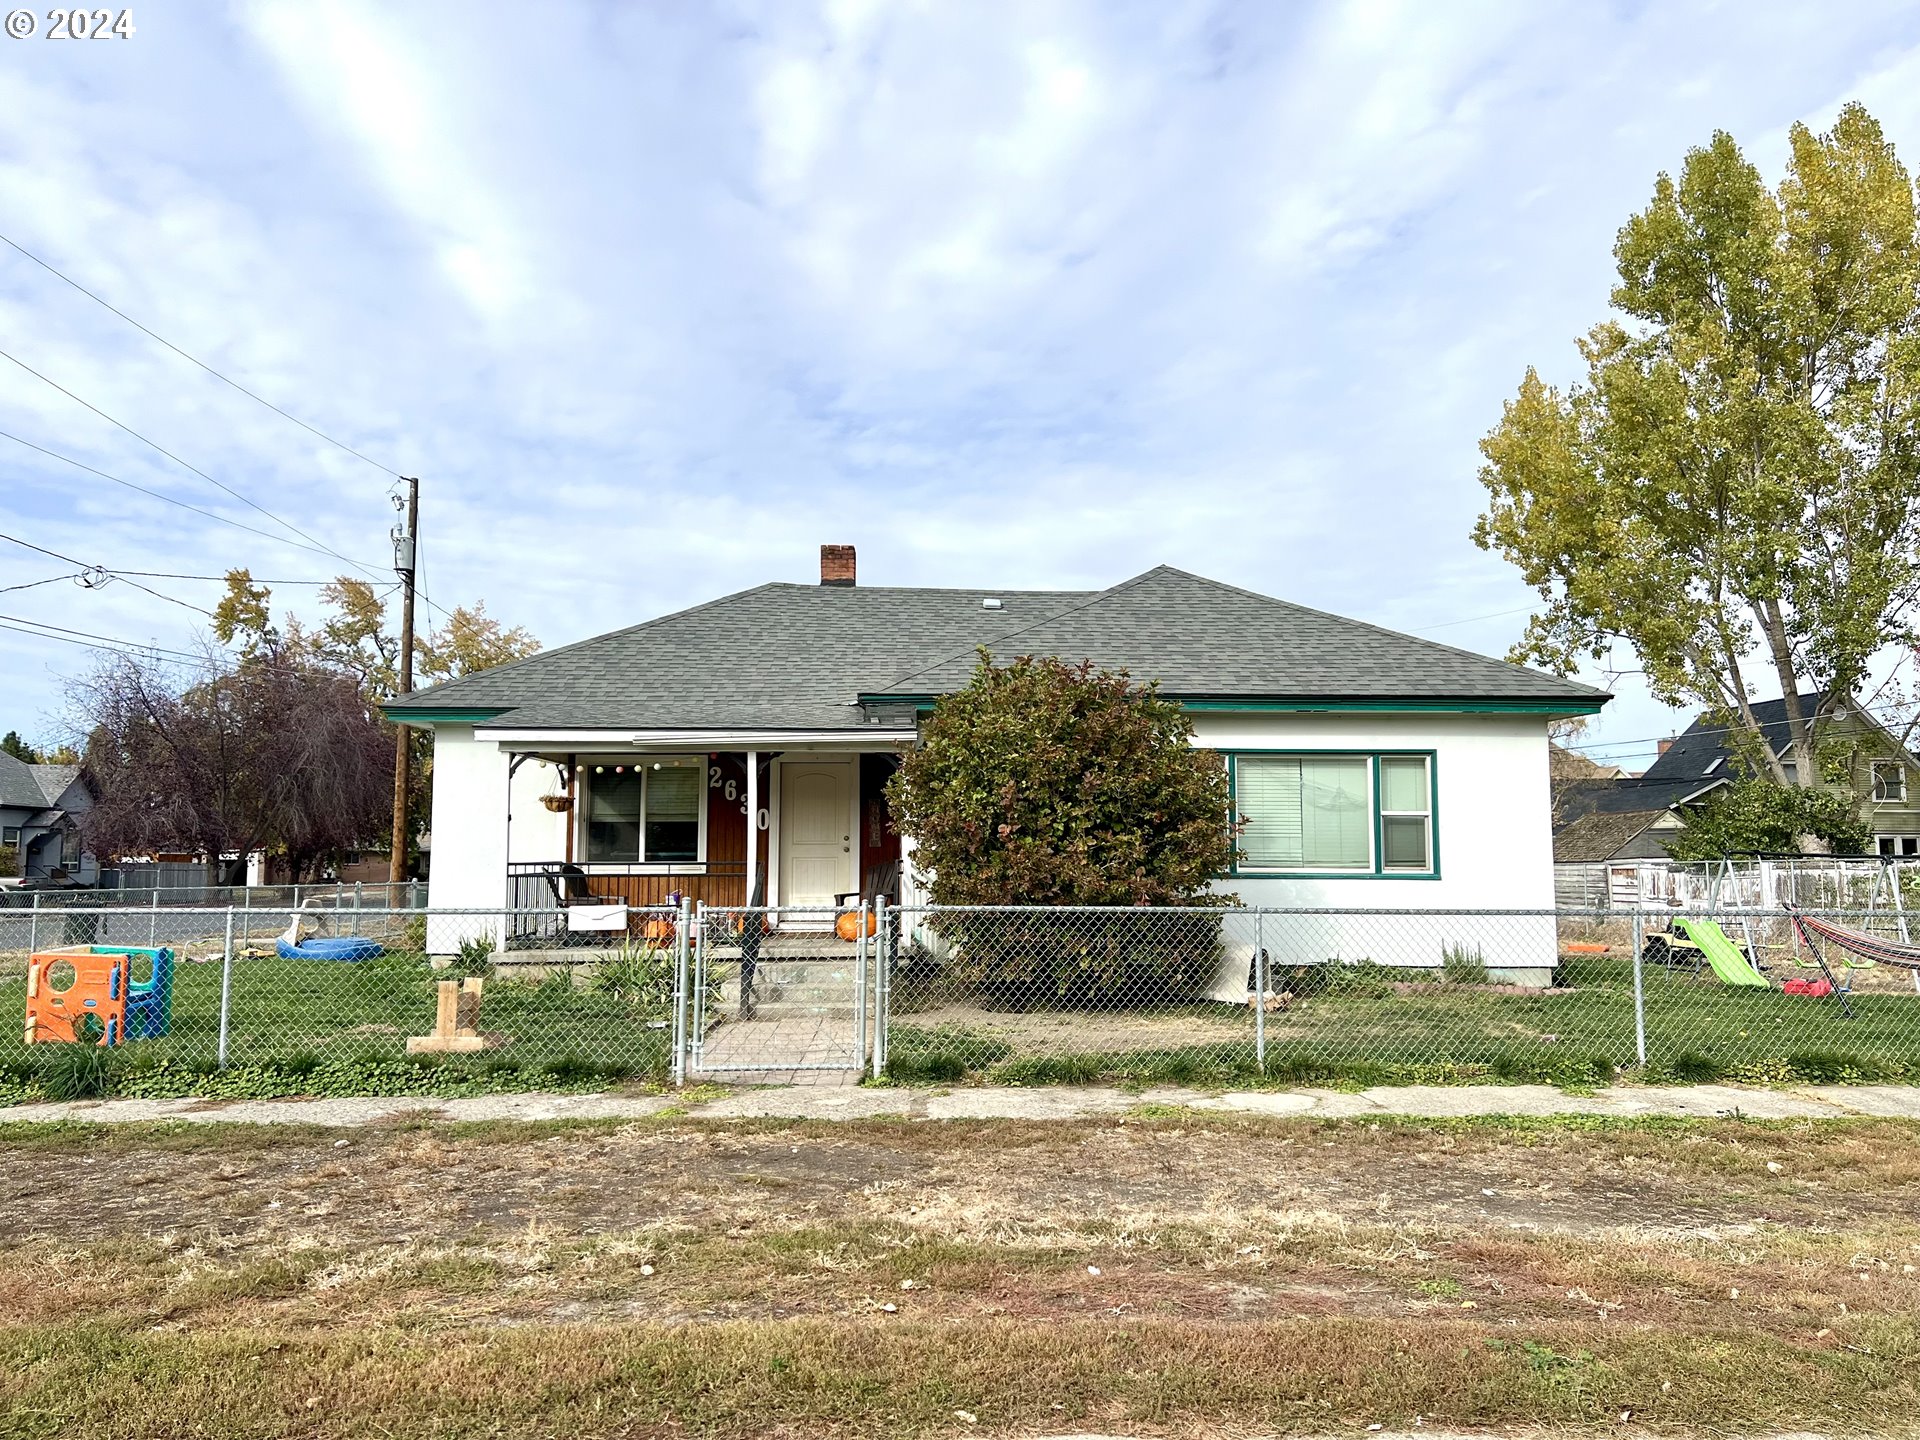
[
  {"x": 640, "y": 977},
  {"x": 84, "y": 1070},
  {"x": 474, "y": 958},
  {"x": 1693, "y": 1068},
  {"x": 1463, "y": 966}
]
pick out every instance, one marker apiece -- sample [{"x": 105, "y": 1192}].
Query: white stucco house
[{"x": 1372, "y": 769}]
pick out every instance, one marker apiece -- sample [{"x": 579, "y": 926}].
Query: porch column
[{"x": 753, "y": 821}]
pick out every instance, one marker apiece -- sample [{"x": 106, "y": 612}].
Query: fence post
[
  {"x": 1639, "y": 989},
  {"x": 860, "y": 952},
  {"x": 697, "y": 1000},
  {"x": 226, "y": 989},
  {"x": 1260, "y": 990},
  {"x": 246, "y": 920},
  {"x": 882, "y": 970},
  {"x": 679, "y": 1027},
  {"x": 33, "y": 927},
  {"x": 153, "y": 920}
]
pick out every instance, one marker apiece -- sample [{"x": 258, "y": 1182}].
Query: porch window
[
  {"x": 673, "y": 813},
  {"x": 613, "y": 815},
  {"x": 638, "y": 813}
]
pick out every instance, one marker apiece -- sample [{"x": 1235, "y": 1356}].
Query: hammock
[{"x": 1855, "y": 942}]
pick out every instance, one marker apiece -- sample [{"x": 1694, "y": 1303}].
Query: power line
[
  {"x": 51, "y": 579},
  {"x": 172, "y": 575},
  {"x": 110, "y": 642},
  {"x": 159, "y": 495},
  {"x": 1890, "y": 711},
  {"x": 148, "y": 574},
  {"x": 86, "y": 569},
  {"x": 310, "y": 429},
  {"x": 155, "y": 445},
  {"x": 1448, "y": 624}
]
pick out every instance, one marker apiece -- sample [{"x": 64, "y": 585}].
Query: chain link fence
[{"x": 598, "y": 994}]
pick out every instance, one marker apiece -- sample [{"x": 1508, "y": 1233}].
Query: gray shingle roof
[
  {"x": 798, "y": 656},
  {"x": 53, "y": 780},
  {"x": 1696, "y": 748},
  {"x": 19, "y": 786}
]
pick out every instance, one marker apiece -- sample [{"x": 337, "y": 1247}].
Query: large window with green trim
[{"x": 1335, "y": 813}]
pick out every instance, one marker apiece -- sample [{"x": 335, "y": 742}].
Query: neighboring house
[
  {"x": 1631, "y": 819},
  {"x": 1373, "y": 769},
  {"x": 39, "y": 806}
]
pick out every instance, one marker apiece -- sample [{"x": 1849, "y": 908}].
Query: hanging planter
[{"x": 557, "y": 803}]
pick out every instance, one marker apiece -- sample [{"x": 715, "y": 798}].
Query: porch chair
[{"x": 880, "y": 880}]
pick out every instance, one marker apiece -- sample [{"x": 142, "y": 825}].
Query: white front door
[{"x": 816, "y": 831}]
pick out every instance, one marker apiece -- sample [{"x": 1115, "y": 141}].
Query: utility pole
[{"x": 404, "y": 541}]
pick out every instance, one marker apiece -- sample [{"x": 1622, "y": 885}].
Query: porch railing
[{"x": 538, "y": 891}]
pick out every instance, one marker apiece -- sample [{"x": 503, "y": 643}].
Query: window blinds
[{"x": 1314, "y": 812}]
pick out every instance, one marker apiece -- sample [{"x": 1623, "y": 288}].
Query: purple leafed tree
[{"x": 229, "y": 756}]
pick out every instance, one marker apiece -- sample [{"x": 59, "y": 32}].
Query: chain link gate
[{"x": 779, "y": 990}]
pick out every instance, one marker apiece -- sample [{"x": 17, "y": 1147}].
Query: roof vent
[{"x": 993, "y": 604}]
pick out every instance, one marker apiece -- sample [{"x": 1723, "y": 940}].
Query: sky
[{"x": 656, "y": 299}]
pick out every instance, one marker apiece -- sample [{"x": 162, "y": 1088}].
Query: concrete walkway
[{"x": 985, "y": 1103}]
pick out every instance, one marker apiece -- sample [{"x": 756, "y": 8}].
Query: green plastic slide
[{"x": 1729, "y": 962}]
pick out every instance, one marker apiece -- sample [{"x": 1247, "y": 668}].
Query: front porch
[{"x": 803, "y": 830}]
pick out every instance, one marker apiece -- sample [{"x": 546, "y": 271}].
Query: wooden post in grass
[{"x": 456, "y": 1021}]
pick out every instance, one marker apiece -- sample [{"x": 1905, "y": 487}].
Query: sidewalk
[{"x": 985, "y": 1103}]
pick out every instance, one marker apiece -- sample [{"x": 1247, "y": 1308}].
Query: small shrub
[
  {"x": 1694, "y": 1068},
  {"x": 1463, "y": 966},
  {"x": 85, "y": 1070},
  {"x": 413, "y": 935},
  {"x": 640, "y": 977},
  {"x": 474, "y": 958},
  {"x": 1821, "y": 1067},
  {"x": 303, "y": 1062},
  {"x": 570, "y": 1069}
]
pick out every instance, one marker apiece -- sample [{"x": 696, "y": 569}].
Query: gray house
[
  {"x": 39, "y": 806},
  {"x": 1631, "y": 818}
]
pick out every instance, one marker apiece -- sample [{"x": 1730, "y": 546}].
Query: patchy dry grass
[
  {"x": 905, "y": 1377},
  {"x": 1151, "y": 1271}
]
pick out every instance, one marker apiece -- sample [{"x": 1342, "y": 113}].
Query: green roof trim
[
  {"x": 1377, "y": 707},
  {"x": 428, "y": 715}
]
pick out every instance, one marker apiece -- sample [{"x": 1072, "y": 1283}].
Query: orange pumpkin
[
  {"x": 847, "y": 927},
  {"x": 658, "y": 931}
]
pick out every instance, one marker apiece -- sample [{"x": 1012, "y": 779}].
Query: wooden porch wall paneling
[{"x": 726, "y": 888}]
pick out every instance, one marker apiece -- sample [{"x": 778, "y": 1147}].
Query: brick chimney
[
  {"x": 1665, "y": 745},
  {"x": 836, "y": 564}
]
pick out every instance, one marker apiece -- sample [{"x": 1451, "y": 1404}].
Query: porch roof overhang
[{"x": 868, "y": 737}]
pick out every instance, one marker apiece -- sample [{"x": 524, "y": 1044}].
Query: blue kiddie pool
[{"x": 345, "y": 947}]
